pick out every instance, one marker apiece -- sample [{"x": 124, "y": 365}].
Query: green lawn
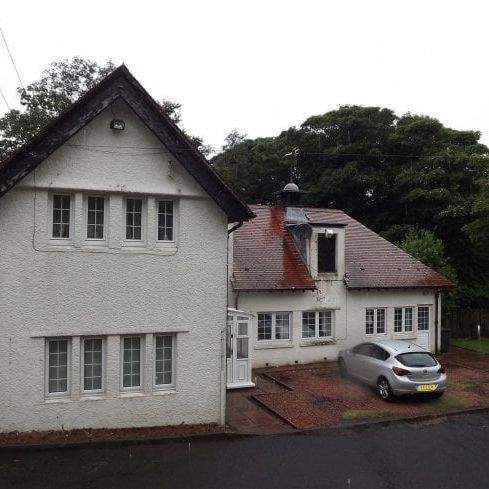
[{"x": 474, "y": 344}]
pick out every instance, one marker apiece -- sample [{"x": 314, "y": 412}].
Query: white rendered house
[
  {"x": 113, "y": 270},
  {"x": 316, "y": 281}
]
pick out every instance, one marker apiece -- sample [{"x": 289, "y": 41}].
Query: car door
[
  {"x": 374, "y": 365},
  {"x": 359, "y": 358}
]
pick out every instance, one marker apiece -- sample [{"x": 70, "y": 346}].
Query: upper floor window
[
  {"x": 273, "y": 326},
  {"x": 375, "y": 321},
  {"x": 61, "y": 216},
  {"x": 317, "y": 324},
  {"x": 95, "y": 218},
  {"x": 165, "y": 220},
  {"x": 326, "y": 253},
  {"x": 134, "y": 219},
  {"x": 403, "y": 319}
]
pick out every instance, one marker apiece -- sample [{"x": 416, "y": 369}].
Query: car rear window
[{"x": 417, "y": 359}]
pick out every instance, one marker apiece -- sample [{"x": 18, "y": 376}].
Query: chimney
[{"x": 290, "y": 196}]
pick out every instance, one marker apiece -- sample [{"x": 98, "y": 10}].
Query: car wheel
[
  {"x": 342, "y": 368},
  {"x": 384, "y": 389}
]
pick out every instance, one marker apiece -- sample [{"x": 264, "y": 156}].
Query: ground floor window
[
  {"x": 423, "y": 318},
  {"x": 403, "y": 319},
  {"x": 58, "y": 366},
  {"x": 131, "y": 362},
  {"x": 273, "y": 326},
  {"x": 164, "y": 360},
  {"x": 93, "y": 364},
  {"x": 375, "y": 321},
  {"x": 317, "y": 324}
]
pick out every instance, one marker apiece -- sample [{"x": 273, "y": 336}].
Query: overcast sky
[{"x": 263, "y": 66}]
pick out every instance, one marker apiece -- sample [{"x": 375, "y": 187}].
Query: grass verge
[
  {"x": 365, "y": 413},
  {"x": 481, "y": 346}
]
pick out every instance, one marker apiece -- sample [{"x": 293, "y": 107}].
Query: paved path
[{"x": 447, "y": 454}]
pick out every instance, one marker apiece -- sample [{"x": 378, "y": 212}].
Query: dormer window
[{"x": 326, "y": 253}]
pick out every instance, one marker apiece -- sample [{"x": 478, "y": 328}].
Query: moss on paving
[
  {"x": 462, "y": 386},
  {"x": 365, "y": 413},
  {"x": 448, "y": 402},
  {"x": 474, "y": 344}
]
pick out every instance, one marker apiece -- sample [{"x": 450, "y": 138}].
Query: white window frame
[
  {"x": 139, "y": 387},
  {"x": 375, "y": 325},
  {"x": 274, "y": 324},
  {"x": 71, "y": 227},
  {"x": 82, "y": 366},
  {"x": 171, "y": 385},
  {"x": 316, "y": 325},
  {"x": 95, "y": 241},
  {"x": 66, "y": 393},
  {"x": 166, "y": 242},
  {"x": 403, "y": 320},
  {"x": 144, "y": 214},
  {"x": 428, "y": 307}
]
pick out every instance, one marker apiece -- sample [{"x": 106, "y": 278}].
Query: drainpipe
[
  {"x": 236, "y": 226},
  {"x": 437, "y": 319}
]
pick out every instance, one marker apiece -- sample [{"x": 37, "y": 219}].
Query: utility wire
[
  {"x": 12, "y": 59},
  {"x": 4, "y": 99}
]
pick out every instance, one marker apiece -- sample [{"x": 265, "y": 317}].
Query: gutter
[{"x": 236, "y": 226}]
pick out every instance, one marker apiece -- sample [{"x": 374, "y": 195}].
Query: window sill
[
  {"x": 57, "y": 400},
  {"x": 273, "y": 344},
  {"x": 104, "y": 248},
  {"x": 93, "y": 397},
  {"x": 317, "y": 342},
  {"x": 404, "y": 336},
  {"x": 132, "y": 394},
  {"x": 164, "y": 392}
]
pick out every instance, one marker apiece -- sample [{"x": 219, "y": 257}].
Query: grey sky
[{"x": 262, "y": 66}]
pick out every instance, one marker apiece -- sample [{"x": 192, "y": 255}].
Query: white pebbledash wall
[{"x": 79, "y": 290}]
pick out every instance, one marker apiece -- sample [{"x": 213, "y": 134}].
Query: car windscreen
[{"x": 417, "y": 359}]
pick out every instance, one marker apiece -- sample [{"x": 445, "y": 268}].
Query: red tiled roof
[{"x": 266, "y": 258}]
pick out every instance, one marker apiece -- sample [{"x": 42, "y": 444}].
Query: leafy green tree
[
  {"x": 424, "y": 246},
  {"x": 60, "y": 85}
]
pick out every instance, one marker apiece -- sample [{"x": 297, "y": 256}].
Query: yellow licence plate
[{"x": 426, "y": 387}]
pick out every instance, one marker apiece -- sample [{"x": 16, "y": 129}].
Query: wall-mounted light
[{"x": 117, "y": 124}]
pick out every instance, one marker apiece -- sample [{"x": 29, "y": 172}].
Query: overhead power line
[
  {"x": 12, "y": 59},
  {"x": 4, "y": 99}
]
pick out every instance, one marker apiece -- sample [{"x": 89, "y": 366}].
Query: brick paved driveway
[{"x": 314, "y": 395}]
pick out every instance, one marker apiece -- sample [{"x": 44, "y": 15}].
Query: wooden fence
[{"x": 463, "y": 323}]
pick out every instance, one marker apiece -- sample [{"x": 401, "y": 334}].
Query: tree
[
  {"x": 390, "y": 172},
  {"x": 60, "y": 85},
  {"x": 424, "y": 246}
]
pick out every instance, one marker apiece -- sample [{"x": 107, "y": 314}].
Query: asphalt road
[{"x": 453, "y": 453}]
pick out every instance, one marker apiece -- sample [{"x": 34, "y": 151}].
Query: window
[
  {"x": 58, "y": 366},
  {"x": 423, "y": 318},
  {"x": 131, "y": 362},
  {"x": 134, "y": 219},
  {"x": 403, "y": 319},
  {"x": 61, "y": 216},
  {"x": 375, "y": 321},
  {"x": 273, "y": 326},
  {"x": 326, "y": 254},
  {"x": 317, "y": 324},
  {"x": 93, "y": 364},
  {"x": 164, "y": 361},
  {"x": 95, "y": 217},
  {"x": 165, "y": 220}
]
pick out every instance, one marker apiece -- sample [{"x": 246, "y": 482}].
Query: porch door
[
  {"x": 238, "y": 351},
  {"x": 424, "y": 327}
]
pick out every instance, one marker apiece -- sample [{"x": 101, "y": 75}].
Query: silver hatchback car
[{"x": 395, "y": 368}]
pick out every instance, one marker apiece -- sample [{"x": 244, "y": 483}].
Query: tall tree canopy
[
  {"x": 61, "y": 85},
  {"x": 390, "y": 172}
]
